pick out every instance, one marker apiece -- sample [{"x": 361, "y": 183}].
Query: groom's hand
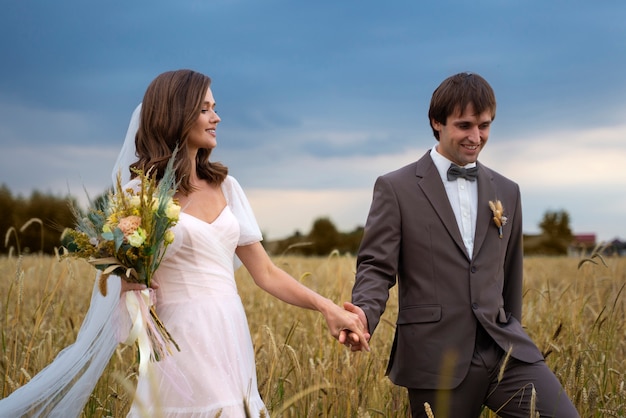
[{"x": 350, "y": 339}]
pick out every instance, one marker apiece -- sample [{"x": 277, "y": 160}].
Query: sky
[{"x": 318, "y": 99}]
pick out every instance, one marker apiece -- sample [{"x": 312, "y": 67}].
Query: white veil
[
  {"x": 127, "y": 154},
  {"x": 63, "y": 387}
]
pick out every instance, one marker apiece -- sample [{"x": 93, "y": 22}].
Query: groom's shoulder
[
  {"x": 411, "y": 169},
  {"x": 496, "y": 176}
]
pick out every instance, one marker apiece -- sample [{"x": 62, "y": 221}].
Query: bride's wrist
[{"x": 325, "y": 306}]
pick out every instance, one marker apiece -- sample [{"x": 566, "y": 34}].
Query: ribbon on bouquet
[
  {"x": 149, "y": 340},
  {"x": 147, "y": 330},
  {"x": 154, "y": 341},
  {"x": 137, "y": 304}
]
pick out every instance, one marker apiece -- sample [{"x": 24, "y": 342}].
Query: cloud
[
  {"x": 60, "y": 170},
  {"x": 574, "y": 171},
  {"x": 281, "y": 213},
  {"x": 563, "y": 159},
  {"x": 318, "y": 99}
]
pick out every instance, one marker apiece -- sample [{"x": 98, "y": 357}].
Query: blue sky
[{"x": 319, "y": 98}]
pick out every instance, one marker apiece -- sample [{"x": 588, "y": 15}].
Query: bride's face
[{"x": 202, "y": 134}]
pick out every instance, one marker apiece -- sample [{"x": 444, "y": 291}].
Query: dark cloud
[{"x": 315, "y": 81}]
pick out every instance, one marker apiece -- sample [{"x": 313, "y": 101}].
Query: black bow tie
[{"x": 454, "y": 172}]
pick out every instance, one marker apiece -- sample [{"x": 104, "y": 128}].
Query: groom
[{"x": 431, "y": 228}]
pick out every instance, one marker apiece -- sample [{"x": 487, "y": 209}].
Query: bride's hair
[{"x": 170, "y": 108}]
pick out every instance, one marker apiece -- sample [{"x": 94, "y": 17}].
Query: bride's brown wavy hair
[{"x": 170, "y": 108}]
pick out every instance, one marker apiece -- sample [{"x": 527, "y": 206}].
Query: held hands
[
  {"x": 348, "y": 327},
  {"x": 350, "y": 339}
]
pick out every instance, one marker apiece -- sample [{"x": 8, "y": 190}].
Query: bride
[{"x": 196, "y": 296}]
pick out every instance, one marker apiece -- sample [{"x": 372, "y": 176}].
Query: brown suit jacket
[{"x": 411, "y": 236}]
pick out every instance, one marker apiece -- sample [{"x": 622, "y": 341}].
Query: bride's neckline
[
  {"x": 219, "y": 215},
  {"x": 206, "y": 202}
]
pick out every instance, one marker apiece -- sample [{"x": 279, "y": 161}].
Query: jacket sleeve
[
  {"x": 513, "y": 264},
  {"x": 377, "y": 260}
]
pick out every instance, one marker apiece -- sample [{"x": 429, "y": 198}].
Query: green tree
[
  {"x": 51, "y": 215},
  {"x": 556, "y": 232},
  {"x": 323, "y": 236},
  {"x": 35, "y": 223},
  {"x": 321, "y": 241},
  {"x": 7, "y": 207}
]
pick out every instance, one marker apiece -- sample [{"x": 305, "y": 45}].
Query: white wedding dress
[
  {"x": 213, "y": 374},
  {"x": 197, "y": 300}
]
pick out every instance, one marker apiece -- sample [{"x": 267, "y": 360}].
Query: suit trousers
[{"x": 507, "y": 392}]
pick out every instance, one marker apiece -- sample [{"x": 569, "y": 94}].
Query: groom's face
[{"x": 464, "y": 135}]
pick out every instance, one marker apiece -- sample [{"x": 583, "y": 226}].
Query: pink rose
[{"x": 129, "y": 225}]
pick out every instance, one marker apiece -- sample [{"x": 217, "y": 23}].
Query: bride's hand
[
  {"x": 342, "y": 322},
  {"x": 128, "y": 286}
]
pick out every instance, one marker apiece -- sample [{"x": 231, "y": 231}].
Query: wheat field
[{"x": 575, "y": 314}]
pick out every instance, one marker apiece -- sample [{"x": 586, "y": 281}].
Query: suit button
[
  {"x": 473, "y": 269},
  {"x": 474, "y": 306}
]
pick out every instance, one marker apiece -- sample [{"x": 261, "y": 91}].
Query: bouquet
[{"x": 126, "y": 234}]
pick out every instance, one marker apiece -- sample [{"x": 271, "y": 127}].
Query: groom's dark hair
[{"x": 455, "y": 93}]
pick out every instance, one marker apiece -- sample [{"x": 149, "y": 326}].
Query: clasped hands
[
  {"x": 355, "y": 338},
  {"x": 349, "y": 326}
]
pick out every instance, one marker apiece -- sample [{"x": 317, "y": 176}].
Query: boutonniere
[{"x": 498, "y": 215}]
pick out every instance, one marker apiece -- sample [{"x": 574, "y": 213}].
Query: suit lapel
[
  {"x": 486, "y": 191},
  {"x": 429, "y": 181}
]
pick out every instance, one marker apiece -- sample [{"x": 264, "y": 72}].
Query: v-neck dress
[{"x": 197, "y": 300}]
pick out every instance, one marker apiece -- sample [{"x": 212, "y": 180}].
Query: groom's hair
[
  {"x": 458, "y": 91},
  {"x": 170, "y": 108}
]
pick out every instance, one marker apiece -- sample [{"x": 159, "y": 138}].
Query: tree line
[
  {"x": 555, "y": 238},
  {"x": 35, "y": 225}
]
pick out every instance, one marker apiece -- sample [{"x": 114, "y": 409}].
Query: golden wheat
[{"x": 574, "y": 313}]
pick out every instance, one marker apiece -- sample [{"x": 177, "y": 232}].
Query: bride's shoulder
[
  {"x": 232, "y": 190},
  {"x": 231, "y": 184}
]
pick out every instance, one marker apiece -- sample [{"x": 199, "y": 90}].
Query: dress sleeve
[{"x": 239, "y": 205}]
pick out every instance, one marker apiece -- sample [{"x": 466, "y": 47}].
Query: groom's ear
[{"x": 436, "y": 127}]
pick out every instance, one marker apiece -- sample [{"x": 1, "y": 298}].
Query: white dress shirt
[{"x": 463, "y": 197}]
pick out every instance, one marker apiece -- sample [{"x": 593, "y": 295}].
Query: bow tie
[{"x": 454, "y": 172}]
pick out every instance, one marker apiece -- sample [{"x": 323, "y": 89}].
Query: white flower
[
  {"x": 172, "y": 211},
  {"x": 135, "y": 201},
  {"x": 169, "y": 237},
  {"x": 137, "y": 238}
]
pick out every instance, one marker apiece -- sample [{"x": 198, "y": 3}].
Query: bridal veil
[{"x": 63, "y": 387}]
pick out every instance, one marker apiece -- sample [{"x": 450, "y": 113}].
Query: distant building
[{"x": 582, "y": 244}]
